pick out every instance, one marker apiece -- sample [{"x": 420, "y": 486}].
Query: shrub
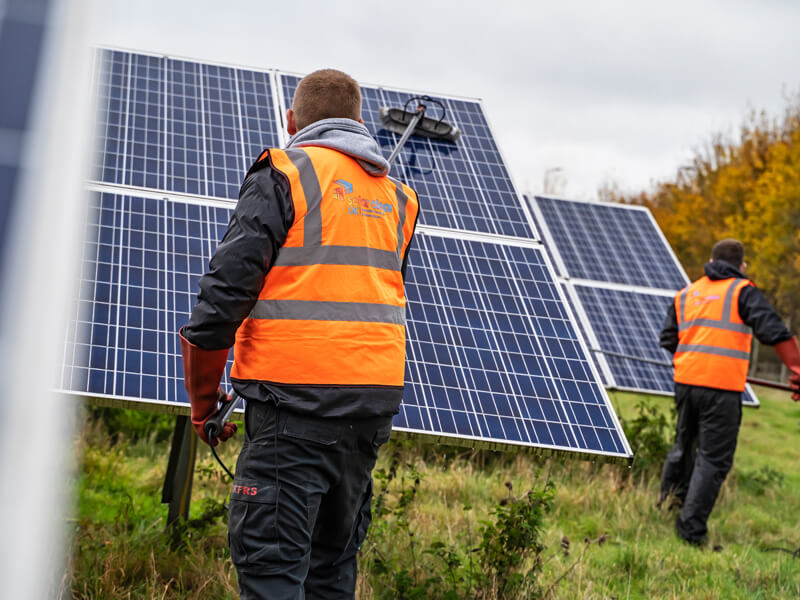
[{"x": 650, "y": 436}]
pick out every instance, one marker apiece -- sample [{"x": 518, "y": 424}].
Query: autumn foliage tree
[{"x": 747, "y": 189}]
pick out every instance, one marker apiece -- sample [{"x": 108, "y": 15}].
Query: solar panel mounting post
[{"x": 177, "y": 490}]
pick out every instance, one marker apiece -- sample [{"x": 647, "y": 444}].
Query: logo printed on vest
[
  {"x": 358, "y": 205},
  {"x": 705, "y": 299}
]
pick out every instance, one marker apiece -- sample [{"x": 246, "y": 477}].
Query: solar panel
[
  {"x": 178, "y": 125},
  {"x": 493, "y": 355},
  {"x": 605, "y": 252},
  {"x": 629, "y": 323},
  {"x": 607, "y": 242},
  {"x": 141, "y": 263},
  {"x": 22, "y": 33},
  {"x": 466, "y": 185}
]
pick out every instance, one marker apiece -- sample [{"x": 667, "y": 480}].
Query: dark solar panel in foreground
[
  {"x": 22, "y": 33},
  {"x": 465, "y": 185},
  {"x": 493, "y": 357},
  {"x": 616, "y": 244}
]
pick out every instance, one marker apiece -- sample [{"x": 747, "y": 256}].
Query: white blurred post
[{"x": 40, "y": 279}]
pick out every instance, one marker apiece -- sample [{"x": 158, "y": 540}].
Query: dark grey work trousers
[
  {"x": 705, "y": 442},
  {"x": 300, "y": 502}
]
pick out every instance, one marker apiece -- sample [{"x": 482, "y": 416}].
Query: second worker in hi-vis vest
[
  {"x": 709, "y": 328},
  {"x": 307, "y": 286}
]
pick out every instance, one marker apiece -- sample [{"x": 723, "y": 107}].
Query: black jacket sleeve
[
  {"x": 669, "y": 332},
  {"x": 757, "y": 312},
  {"x": 230, "y": 288}
]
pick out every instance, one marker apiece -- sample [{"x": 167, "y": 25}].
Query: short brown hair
[
  {"x": 326, "y": 94},
  {"x": 729, "y": 250}
]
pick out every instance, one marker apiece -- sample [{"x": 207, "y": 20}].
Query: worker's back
[
  {"x": 713, "y": 341},
  {"x": 332, "y": 308}
]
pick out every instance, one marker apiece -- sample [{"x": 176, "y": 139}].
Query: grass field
[{"x": 435, "y": 507}]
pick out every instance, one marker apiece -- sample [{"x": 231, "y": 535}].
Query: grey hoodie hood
[{"x": 347, "y": 136}]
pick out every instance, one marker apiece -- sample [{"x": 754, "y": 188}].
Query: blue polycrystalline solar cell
[
  {"x": 463, "y": 185},
  {"x": 23, "y": 27},
  {"x": 627, "y": 322},
  {"x": 615, "y": 244},
  {"x": 178, "y": 125},
  {"x": 140, "y": 267},
  {"x": 492, "y": 353}
]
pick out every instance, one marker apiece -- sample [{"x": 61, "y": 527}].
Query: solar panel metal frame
[{"x": 749, "y": 397}]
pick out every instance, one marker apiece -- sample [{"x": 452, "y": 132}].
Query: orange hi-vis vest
[
  {"x": 332, "y": 308},
  {"x": 713, "y": 341}
]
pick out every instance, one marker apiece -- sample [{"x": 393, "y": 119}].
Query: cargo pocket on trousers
[{"x": 252, "y": 531}]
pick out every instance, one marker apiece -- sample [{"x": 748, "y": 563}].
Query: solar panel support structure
[
  {"x": 177, "y": 489},
  {"x": 497, "y": 358}
]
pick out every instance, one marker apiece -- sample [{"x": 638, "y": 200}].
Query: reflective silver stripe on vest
[
  {"x": 337, "y": 255},
  {"x": 312, "y": 252},
  {"x": 312, "y": 223},
  {"x": 727, "y": 308},
  {"x": 311, "y": 310},
  {"x": 703, "y": 349},
  {"x": 737, "y": 327},
  {"x": 402, "y": 201},
  {"x": 682, "y": 303}
]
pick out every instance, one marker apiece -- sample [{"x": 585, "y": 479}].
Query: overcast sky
[{"x": 595, "y": 92}]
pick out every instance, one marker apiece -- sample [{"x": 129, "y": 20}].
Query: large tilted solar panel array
[
  {"x": 22, "y": 35},
  {"x": 494, "y": 358},
  {"x": 620, "y": 275}
]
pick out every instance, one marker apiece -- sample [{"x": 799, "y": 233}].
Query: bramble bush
[{"x": 649, "y": 433}]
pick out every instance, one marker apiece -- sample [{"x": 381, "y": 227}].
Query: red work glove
[
  {"x": 789, "y": 352},
  {"x": 202, "y": 372}
]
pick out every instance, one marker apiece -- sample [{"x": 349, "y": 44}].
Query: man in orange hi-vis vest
[
  {"x": 307, "y": 286},
  {"x": 709, "y": 328}
]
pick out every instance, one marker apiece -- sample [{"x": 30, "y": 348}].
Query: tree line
[{"x": 746, "y": 188}]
